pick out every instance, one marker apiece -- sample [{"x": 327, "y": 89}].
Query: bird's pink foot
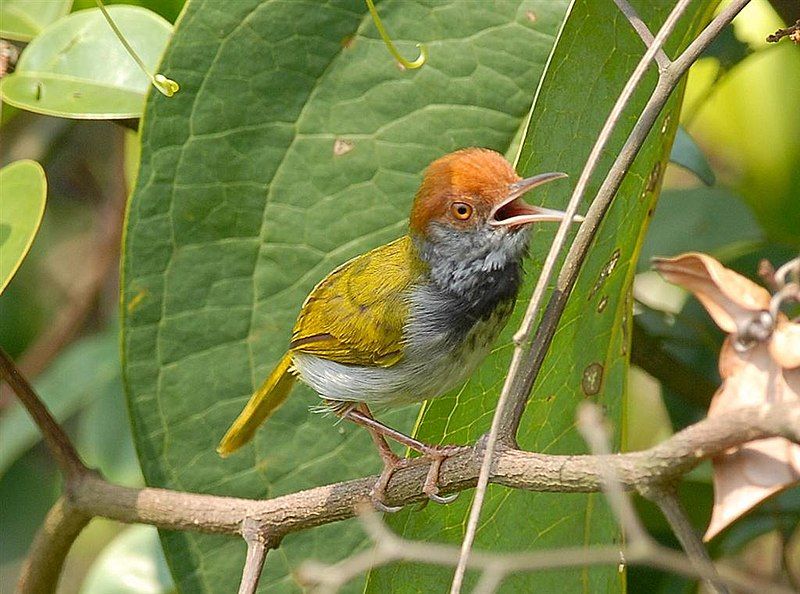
[
  {"x": 391, "y": 464},
  {"x": 437, "y": 455}
]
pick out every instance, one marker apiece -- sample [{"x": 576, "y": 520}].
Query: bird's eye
[{"x": 461, "y": 210}]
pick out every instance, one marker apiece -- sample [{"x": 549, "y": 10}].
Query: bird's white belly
[{"x": 432, "y": 365}]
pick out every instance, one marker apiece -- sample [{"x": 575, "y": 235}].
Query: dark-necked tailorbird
[{"x": 412, "y": 319}]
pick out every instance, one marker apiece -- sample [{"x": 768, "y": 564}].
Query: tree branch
[
  {"x": 662, "y": 464},
  {"x": 258, "y": 545},
  {"x": 520, "y": 378},
  {"x": 588, "y": 229},
  {"x": 89, "y": 495},
  {"x": 643, "y": 31}
]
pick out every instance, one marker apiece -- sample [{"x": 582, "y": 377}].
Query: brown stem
[
  {"x": 258, "y": 545},
  {"x": 42, "y": 567},
  {"x": 793, "y": 32},
  {"x": 54, "y": 436},
  {"x": 588, "y": 230},
  {"x": 667, "y": 500}
]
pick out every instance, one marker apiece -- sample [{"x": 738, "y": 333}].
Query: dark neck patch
[{"x": 471, "y": 274}]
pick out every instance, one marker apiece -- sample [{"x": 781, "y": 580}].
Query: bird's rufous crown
[{"x": 479, "y": 175}]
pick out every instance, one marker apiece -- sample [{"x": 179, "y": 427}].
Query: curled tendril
[
  {"x": 166, "y": 86},
  {"x": 423, "y": 52}
]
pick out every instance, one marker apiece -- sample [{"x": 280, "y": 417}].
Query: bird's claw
[
  {"x": 382, "y": 507},
  {"x": 443, "y": 499},
  {"x": 438, "y": 454},
  {"x": 378, "y": 493}
]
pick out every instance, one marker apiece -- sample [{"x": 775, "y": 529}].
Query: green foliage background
[{"x": 295, "y": 144}]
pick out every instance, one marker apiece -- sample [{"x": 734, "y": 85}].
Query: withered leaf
[{"x": 762, "y": 372}]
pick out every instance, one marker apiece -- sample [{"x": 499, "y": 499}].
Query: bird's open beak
[{"x": 513, "y": 211}]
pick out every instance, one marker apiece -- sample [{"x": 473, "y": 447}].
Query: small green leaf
[
  {"x": 22, "y": 20},
  {"x": 77, "y": 68},
  {"x": 23, "y": 192},
  {"x": 132, "y": 564},
  {"x": 688, "y": 155}
]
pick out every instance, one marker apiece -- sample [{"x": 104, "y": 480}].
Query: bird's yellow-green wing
[{"x": 356, "y": 314}]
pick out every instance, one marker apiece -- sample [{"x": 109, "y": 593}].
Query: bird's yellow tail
[{"x": 261, "y": 405}]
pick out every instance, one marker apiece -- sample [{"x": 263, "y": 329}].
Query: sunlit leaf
[
  {"x": 23, "y": 191},
  {"x": 77, "y": 68},
  {"x": 294, "y": 144},
  {"x": 22, "y": 20}
]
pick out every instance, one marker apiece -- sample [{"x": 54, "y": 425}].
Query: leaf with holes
[
  {"x": 294, "y": 144},
  {"x": 589, "y": 355}
]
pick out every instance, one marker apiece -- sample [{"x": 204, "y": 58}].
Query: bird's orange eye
[{"x": 461, "y": 210}]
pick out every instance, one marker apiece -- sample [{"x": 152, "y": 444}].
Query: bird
[{"x": 412, "y": 319}]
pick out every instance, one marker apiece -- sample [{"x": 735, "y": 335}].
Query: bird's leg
[
  {"x": 437, "y": 454},
  {"x": 391, "y": 461}
]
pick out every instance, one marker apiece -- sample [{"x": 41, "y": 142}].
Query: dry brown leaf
[
  {"x": 785, "y": 344},
  {"x": 746, "y": 475},
  {"x": 728, "y": 297},
  {"x": 764, "y": 372}
]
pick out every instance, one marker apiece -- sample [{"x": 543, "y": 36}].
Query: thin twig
[
  {"x": 608, "y": 189},
  {"x": 257, "y": 547},
  {"x": 42, "y": 567},
  {"x": 792, "y": 32},
  {"x": 54, "y": 436},
  {"x": 515, "y": 392},
  {"x": 643, "y": 31},
  {"x": 590, "y": 424},
  {"x": 389, "y": 548},
  {"x": 667, "y": 500}
]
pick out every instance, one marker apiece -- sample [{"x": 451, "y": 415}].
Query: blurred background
[{"x": 736, "y": 196}]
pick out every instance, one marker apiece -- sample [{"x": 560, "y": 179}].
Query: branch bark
[{"x": 662, "y": 464}]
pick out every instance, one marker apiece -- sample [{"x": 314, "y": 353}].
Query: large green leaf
[
  {"x": 295, "y": 143},
  {"x": 24, "y": 19},
  {"x": 77, "y": 68},
  {"x": 23, "y": 191},
  {"x": 589, "y": 355}
]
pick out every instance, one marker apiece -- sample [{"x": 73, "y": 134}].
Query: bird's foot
[
  {"x": 391, "y": 464},
  {"x": 437, "y": 455}
]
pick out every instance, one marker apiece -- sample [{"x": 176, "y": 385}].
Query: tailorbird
[{"x": 412, "y": 319}]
